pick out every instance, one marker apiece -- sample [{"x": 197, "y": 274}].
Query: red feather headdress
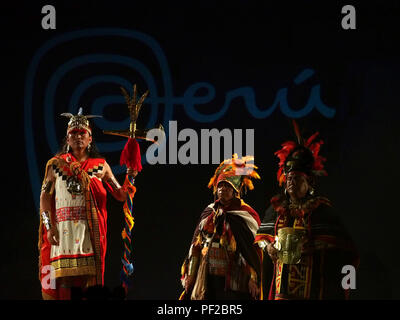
[{"x": 310, "y": 147}]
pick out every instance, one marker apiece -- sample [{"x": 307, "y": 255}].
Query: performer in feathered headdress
[
  {"x": 222, "y": 262},
  {"x": 73, "y": 224},
  {"x": 305, "y": 246}
]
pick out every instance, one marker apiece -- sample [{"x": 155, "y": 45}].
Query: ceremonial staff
[{"x": 131, "y": 157}]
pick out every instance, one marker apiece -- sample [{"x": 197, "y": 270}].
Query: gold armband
[
  {"x": 114, "y": 183},
  {"x": 46, "y": 219},
  {"x": 47, "y": 187}
]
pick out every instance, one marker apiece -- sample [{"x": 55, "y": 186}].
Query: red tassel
[{"x": 130, "y": 156}]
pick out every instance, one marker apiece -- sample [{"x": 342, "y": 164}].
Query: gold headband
[{"x": 79, "y": 121}]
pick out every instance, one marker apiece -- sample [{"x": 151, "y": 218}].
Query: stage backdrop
[{"x": 225, "y": 67}]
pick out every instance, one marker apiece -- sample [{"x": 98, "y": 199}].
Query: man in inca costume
[
  {"x": 305, "y": 246},
  {"x": 223, "y": 262}
]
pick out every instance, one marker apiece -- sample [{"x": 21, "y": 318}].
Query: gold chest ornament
[{"x": 289, "y": 242}]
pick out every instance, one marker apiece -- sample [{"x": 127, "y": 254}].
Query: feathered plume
[
  {"x": 134, "y": 108},
  {"x": 80, "y": 114},
  {"x": 230, "y": 169},
  {"x": 297, "y": 132},
  {"x": 289, "y": 146}
]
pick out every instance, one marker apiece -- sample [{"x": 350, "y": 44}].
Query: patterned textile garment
[
  {"x": 318, "y": 274},
  {"x": 80, "y": 208},
  {"x": 224, "y": 237}
]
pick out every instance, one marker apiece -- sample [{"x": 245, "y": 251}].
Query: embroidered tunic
[
  {"x": 81, "y": 216},
  {"x": 75, "y": 254}
]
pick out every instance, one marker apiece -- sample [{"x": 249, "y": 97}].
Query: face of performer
[
  {"x": 225, "y": 192},
  {"x": 296, "y": 185},
  {"x": 78, "y": 139}
]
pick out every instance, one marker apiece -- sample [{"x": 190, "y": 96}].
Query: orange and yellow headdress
[{"x": 237, "y": 172}]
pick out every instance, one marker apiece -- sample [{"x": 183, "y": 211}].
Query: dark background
[{"x": 230, "y": 45}]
